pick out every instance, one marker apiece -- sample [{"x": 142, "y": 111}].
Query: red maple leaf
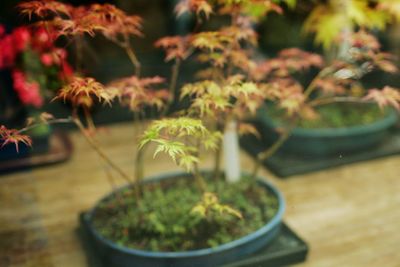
[{"x": 13, "y": 136}]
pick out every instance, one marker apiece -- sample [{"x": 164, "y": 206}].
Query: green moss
[
  {"x": 336, "y": 116},
  {"x": 163, "y": 221}
]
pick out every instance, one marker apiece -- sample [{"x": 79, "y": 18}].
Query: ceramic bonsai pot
[
  {"x": 327, "y": 141},
  {"x": 117, "y": 256}
]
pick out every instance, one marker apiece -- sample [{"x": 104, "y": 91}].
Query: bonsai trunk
[{"x": 231, "y": 152}]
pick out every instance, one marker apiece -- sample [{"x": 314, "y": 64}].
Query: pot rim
[
  {"x": 376, "y": 126},
  {"x": 271, "y": 224}
]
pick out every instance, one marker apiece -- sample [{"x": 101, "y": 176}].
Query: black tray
[
  {"x": 286, "y": 249},
  {"x": 59, "y": 150},
  {"x": 284, "y": 165}
]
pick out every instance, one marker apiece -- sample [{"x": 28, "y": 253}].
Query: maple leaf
[
  {"x": 195, "y": 6},
  {"x": 363, "y": 39},
  {"x": 211, "y": 40},
  {"x": 384, "y": 61},
  {"x": 13, "y": 136},
  {"x": 242, "y": 31},
  {"x": 288, "y": 61},
  {"x": 175, "y": 136},
  {"x": 328, "y": 20},
  {"x": 80, "y": 92},
  {"x": 210, "y": 206},
  {"x": 44, "y": 8},
  {"x": 176, "y": 47},
  {"x": 331, "y": 85},
  {"x": 139, "y": 93},
  {"x": 388, "y": 96},
  {"x": 390, "y": 6},
  {"x": 287, "y": 92},
  {"x": 115, "y": 22}
]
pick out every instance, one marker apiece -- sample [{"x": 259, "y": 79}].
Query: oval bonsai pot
[
  {"x": 117, "y": 256},
  {"x": 327, "y": 141}
]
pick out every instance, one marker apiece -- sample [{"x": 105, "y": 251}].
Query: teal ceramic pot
[
  {"x": 327, "y": 141},
  {"x": 117, "y": 256}
]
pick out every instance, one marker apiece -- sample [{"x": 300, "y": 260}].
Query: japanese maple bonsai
[
  {"x": 198, "y": 218},
  {"x": 345, "y": 121}
]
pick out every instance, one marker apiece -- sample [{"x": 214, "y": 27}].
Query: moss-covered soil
[
  {"x": 163, "y": 220},
  {"x": 337, "y": 116}
]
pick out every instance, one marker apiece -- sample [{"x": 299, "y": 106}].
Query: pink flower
[
  {"x": 28, "y": 92},
  {"x": 47, "y": 59},
  {"x": 22, "y": 37}
]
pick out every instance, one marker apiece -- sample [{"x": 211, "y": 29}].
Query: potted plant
[
  {"x": 338, "y": 120},
  {"x": 333, "y": 113},
  {"x": 203, "y": 218},
  {"x": 32, "y": 69},
  {"x": 196, "y": 218}
]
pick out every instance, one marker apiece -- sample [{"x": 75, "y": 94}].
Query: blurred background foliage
[{"x": 319, "y": 17}]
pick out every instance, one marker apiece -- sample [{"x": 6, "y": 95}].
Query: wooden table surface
[{"x": 350, "y": 216}]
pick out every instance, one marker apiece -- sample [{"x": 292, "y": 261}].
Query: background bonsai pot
[
  {"x": 117, "y": 256},
  {"x": 327, "y": 141}
]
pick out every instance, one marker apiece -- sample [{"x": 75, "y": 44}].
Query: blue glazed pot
[
  {"x": 117, "y": 256},
  {"x": 327, "y": 141}
]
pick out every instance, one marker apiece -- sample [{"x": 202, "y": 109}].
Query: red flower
[
  {"x": 47, "y": 59},
  {"x": 42, "y": 39},
  {"x": 28, "y": 92},
  {"x": 7, "y": 52},
  {"x": 22, "y": 37}
]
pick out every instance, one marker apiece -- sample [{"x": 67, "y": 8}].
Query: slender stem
[
  {"x": 100, "y": 152},
  {"x": 52, "y": 121},
  {"x": 139, "y": 162},
  {"x": 138, "y": 173},
  {"x": 270, "y": 151},
  {"x": 132, "y": 56},
  {"x": 89, "y": 119},
  {"x": 199, "y": 179},
  {"x": 217, "y": 161},
  {"x": 172, "y": 85},
  {"x": 311, "y": 87}
]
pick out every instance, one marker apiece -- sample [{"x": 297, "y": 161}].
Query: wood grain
[{"x": 350, "y": 215}]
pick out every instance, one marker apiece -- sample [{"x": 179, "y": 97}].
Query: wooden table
[{"x": 350, "y": 215}]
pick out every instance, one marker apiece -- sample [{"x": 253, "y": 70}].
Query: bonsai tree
[{"x": 232, "y": 84}]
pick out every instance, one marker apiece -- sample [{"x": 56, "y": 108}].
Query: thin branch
[
  {"x": 132, "y": 56},
  {"x": 52, "y": 121},
  {"x": 172, "y": 85},
  {"x": 312, "y": 85},
  {"x": 89, "y": 119},
  {"x": 100, "y": 152},
  {"x": 261, "y": 157}
]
